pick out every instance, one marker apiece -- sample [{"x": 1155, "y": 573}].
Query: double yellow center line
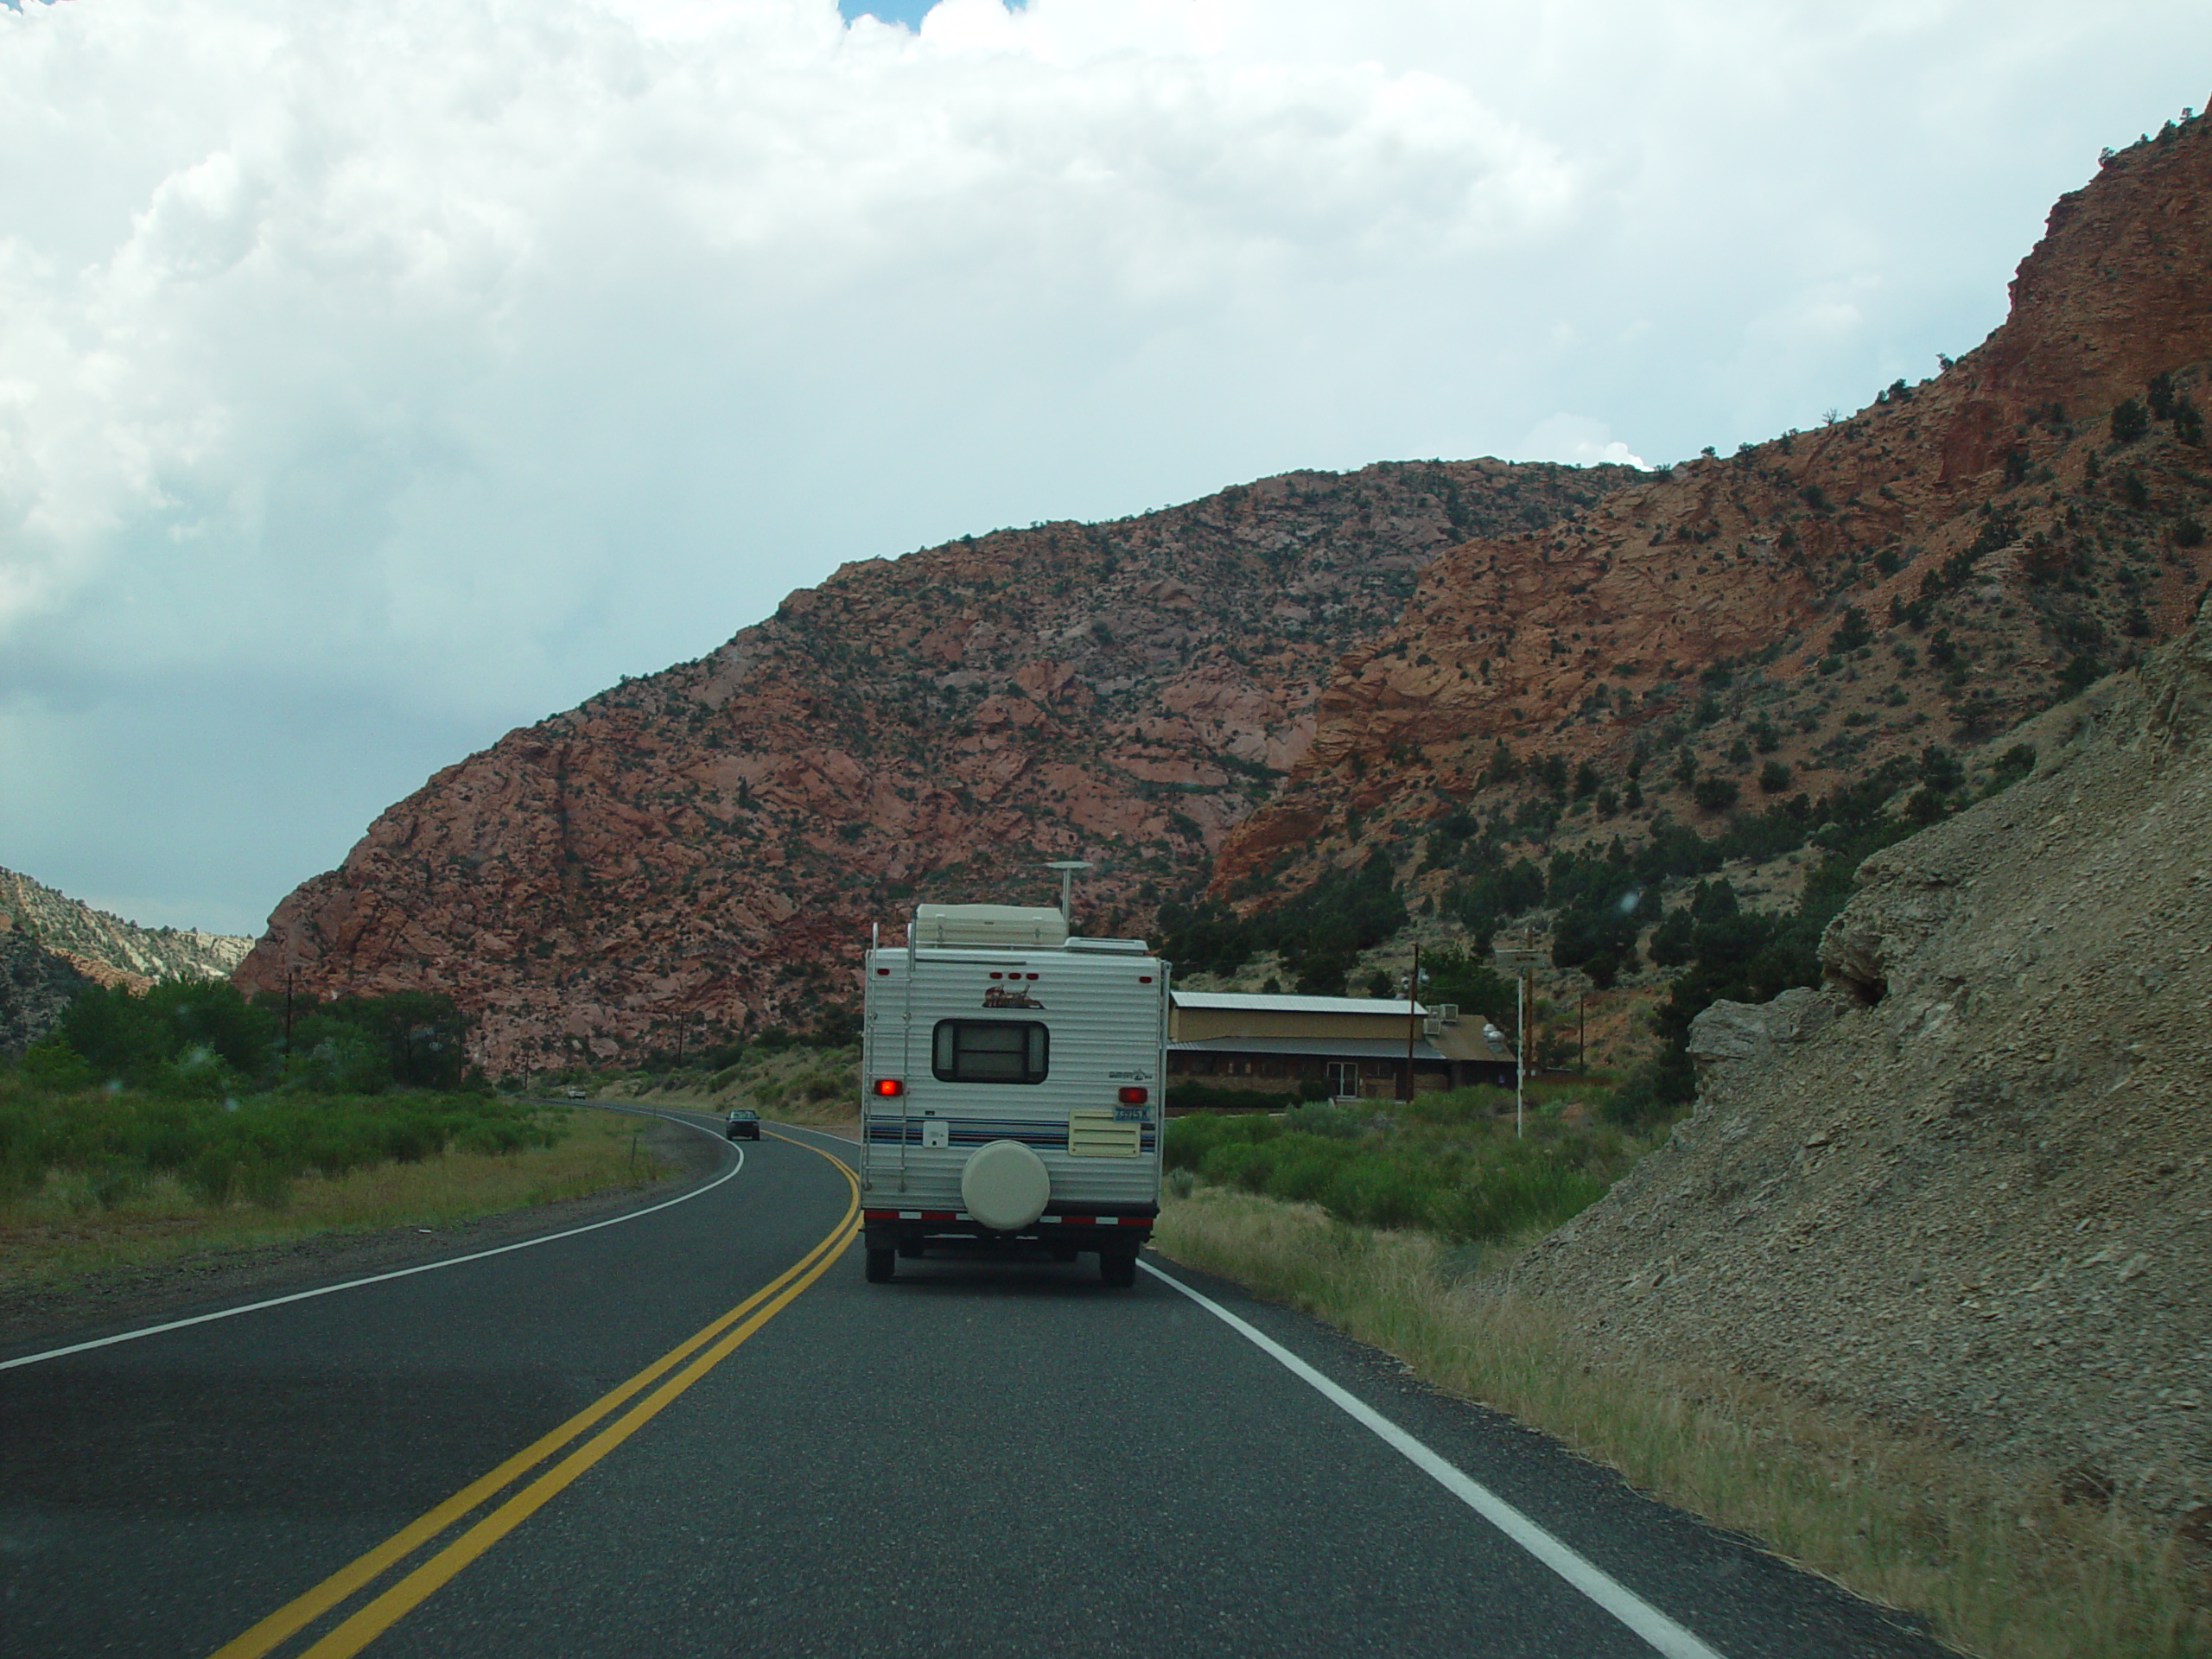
[{"x": 666, "y": 1377}]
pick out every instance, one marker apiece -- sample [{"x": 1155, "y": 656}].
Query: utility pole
[
  {"x": 287, "y": 1022},
  {"x": 1412, "y": 1021},
  {"x": 1582, "y": 1033},
  {"x": 1521, "y": 962},
  {"x": 1520, "y": 1051}
]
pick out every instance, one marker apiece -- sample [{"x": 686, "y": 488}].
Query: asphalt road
[{"x": 977, "y": 1459}]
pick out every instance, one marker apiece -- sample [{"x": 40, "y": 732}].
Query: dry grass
[
  {"x": 1996, "y": 1557},
  {"x": 790, "y": 1085},
  {"x": 55, "y": 1232}
]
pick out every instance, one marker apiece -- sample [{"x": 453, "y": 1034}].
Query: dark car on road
[{"x": 744, "y": 1125}]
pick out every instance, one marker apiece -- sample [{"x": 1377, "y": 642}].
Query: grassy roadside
[
  {"x": 1995, "y": 1557},
  {"x": 798, "y": 1084},
  {"x": 62, "y": 1228},
  {"x": 1450, "y": 1163}
]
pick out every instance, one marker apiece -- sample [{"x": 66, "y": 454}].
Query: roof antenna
[{"x": 1067, "y": 867}]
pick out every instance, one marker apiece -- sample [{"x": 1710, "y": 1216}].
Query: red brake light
[
  {"x": 889, "y": 1086},
  {"x": 1134, "y": 1097}
]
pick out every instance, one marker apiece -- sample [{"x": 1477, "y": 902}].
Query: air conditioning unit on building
[{"x": 1445, "y": 1013}]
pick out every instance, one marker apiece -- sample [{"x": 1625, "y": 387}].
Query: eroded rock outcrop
[
  {"x": 52, "y": 946},
  {"x": 700, "y": 850},
  {"x": 1965, "y": 1188},
  {"x": 36, "y": 986},
  {"x": 1934, "y": 568}
]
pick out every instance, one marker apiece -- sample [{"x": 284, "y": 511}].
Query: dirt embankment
[{"x": 1965, "y": 1187}]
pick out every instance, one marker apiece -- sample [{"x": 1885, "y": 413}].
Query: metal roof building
[{"x": 1348, "y": 1046}]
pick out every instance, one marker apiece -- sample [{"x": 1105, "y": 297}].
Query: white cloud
[
  {"x": 440, "y": 361},
  {"x": 1577, "y": 441}
]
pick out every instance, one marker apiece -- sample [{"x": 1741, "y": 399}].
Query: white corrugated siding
[{"x": 1103, "y": 1021}]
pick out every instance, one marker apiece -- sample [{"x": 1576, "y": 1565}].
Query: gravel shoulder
[{"x": 92, "y": 1304}]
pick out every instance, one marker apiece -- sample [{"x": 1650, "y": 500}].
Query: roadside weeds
[
  {"x": 51, "y": 1234},
  {"x": 793, "y": 1085},
  {"x": 1998, "y": 1560}
]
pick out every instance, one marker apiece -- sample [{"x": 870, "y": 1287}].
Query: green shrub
[
  {"x": 1452, "y": 1171},
  {"x": 1325, "y": 1118},
  {"x": 109, "y": 1144},
  {"x": 1714, "y": 794},
  {"x": 820, "y": 1085},
  {"x": 52, "y": 1065},
  {"x": 1187, "y": 1096}
]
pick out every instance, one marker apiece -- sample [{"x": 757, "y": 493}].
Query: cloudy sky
[{"x": 376, "y": 377}]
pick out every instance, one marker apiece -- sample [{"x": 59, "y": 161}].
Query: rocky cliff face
[
  {"x": 51, "y": 946},
  {"x": 36, "y": 986},
  {"x": 695, "y": 852},
  {"x": 1933, "y": 568},
  {"x": 701, "y": 849},
  {"x": 1965, "y": 1187}
]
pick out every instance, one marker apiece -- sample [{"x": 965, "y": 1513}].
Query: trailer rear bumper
[{"x": 1116, "y": 1229}]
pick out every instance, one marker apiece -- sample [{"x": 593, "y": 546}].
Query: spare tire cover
[{"x": 1005, "y": 1185}]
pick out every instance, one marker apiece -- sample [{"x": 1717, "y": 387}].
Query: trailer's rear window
[{"x": 991, "y": 1051}]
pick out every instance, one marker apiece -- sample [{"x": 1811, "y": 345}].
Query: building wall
[
  {"x": 1196, "y": 1024},
  {"x": 1276, "y": 1073}
]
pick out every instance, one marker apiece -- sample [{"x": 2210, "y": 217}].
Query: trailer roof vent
[{"x": 1007, "y": 925}]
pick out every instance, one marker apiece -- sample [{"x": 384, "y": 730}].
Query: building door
[{"x": 1344, "y": 1079}]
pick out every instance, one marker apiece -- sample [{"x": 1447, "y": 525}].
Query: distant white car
[{"x": 574, "y": 1093}]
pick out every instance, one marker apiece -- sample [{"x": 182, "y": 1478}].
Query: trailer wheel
[
  {"x": 881, "y": 1264},
  {"x": 1117, "y": 1267}
]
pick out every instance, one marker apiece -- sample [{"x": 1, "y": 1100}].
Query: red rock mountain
[
  {"x": 700, "y": 850},
  {"x": 1947, "y": 560},
  {"x": 696, "y": 852}
]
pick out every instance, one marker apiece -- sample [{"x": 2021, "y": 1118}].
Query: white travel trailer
[{"x": 1012, "y": 1079}]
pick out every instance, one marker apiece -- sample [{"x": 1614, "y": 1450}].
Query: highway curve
[{"x": 977, "y": 1460}]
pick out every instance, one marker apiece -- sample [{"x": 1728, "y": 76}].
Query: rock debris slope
[
  {"x": 700, "y": 850},
  {"x": 1964, "y": 1187}
]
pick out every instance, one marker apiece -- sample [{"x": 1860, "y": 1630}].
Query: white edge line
[
  {"x": 1616, "y": 1598},
  {"x": 399, "y": 1272}
]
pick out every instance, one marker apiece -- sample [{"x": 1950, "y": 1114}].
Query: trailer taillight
[
  {"x": 1134, "y": 1096},
  {"x": 889, "y": 1086}
]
